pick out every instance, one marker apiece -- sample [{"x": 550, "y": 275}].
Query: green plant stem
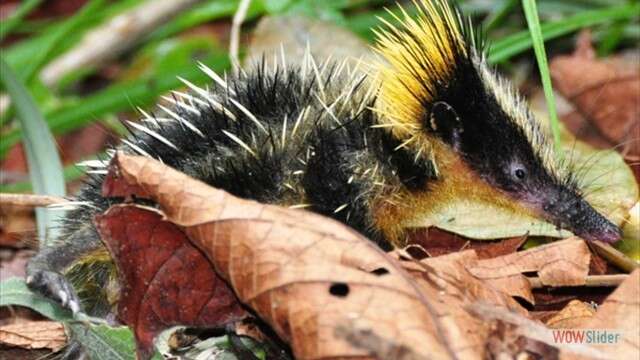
[
  {"x": 517, "y": 43},
  {"x": 45, "y": 168},
  {"x": 531, "y": 13}
]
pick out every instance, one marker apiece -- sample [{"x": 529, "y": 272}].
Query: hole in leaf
[
  {"x": 380, "y": 271},
  {"x": 339, "y": 289},
  {"x": 417, "y": 252}
]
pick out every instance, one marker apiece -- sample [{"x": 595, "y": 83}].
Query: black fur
[
  {"x": 465, "y": 114},
  {"x": 325, "y": 151}
]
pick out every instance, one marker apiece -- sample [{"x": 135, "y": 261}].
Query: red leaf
[
  {"x": 437, "y": 242},
  {"x": 165, "y": 280}
]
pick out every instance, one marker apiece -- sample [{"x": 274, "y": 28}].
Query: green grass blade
[
  {"x": 32, "y": 67},
  {"x": 123, "y": 96},
  {"x": 71, "y": 173},
  {"x": 45, "y": 168},
  {"x": 611, "y": 39},
  {"x": 16, "y": 18},
  {"x": 61, "y": 33},
  {"x": 497, "y": 16},
  {"x": 517, "y": 43},
  {"x": 531, "y": 14},
  {"x": 20, "y": 54}
]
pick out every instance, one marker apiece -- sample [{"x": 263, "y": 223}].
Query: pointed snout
[{"x": 570, "y": 211}]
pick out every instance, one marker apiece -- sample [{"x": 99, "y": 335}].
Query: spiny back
[{"x": 293, "y": 137}]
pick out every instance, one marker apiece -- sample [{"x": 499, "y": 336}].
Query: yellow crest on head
[{"x": 420, "y": 53}]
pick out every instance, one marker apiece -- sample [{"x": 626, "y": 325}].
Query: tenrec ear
[{"x": 445, "y": 123}]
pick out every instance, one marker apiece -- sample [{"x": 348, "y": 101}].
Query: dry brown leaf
[
  {"x": 534, "y": 333},
  {"x": 620, "y": 312},
  {"x": 34, "y": 335},
  {"x": 451, "y": 274},
  {"x": 302, "y": 273},
  {"x": 15, "y": 222},
  {"x": 571, "y": 315},
  {"x": 447, "y": 279},
  {"x": 561, "y": 263},
  {"x": 604, "y": 91},
  {"x": 330, "y": 293},
  {"x": 491, "y": 249}
]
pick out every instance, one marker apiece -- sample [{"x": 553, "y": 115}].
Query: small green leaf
[
  {"x": 221, "y": 346},
  {"x": 14, "y": 291},
  {"x": 101, "y": 342},
  {"x": 45, "y": 168},
  {"x": 480, "y": 220},
  {"x": 105, "y": 343}
]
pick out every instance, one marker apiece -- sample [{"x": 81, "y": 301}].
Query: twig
[
  {"x": 114, "y": 37},
  {"x": 590, "y": 281},
  {"x": 30, "y": 200},
  {"x": 236, "y": 26},
  {"x": 614, "y": 256}
]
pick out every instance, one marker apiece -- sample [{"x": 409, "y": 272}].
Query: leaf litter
[{"x": 328, "y": 292}]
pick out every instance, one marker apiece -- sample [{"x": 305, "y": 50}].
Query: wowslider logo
[{"x": 587, "y": 336}]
